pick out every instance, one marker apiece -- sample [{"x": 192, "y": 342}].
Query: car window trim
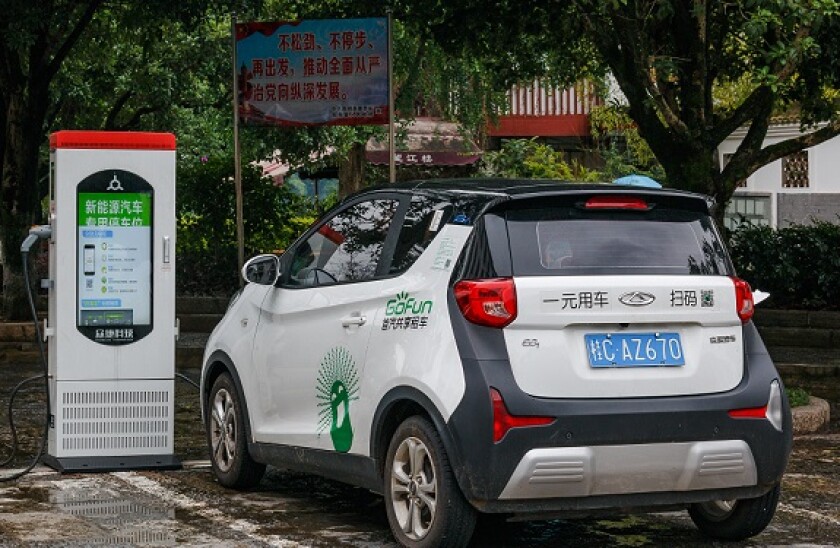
[{"x": 390, "y": 245}]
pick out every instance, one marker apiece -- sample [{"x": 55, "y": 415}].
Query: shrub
[
  {"x": 797, "y": 397},
  {"x": 798, "y": 265},
  {"x": 528, "y": 159},
  {"x": 207, "y": 249}
]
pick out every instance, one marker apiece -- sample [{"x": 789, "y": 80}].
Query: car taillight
[
  {"x": 504, "y": 421},
  {"x": 749, "y": 413},
  {"x": 743, "y": 300},
  {"x": 616, "y": 202},
  {"x": 773, "y": 411},
  {"x": 490, "y": 302}
]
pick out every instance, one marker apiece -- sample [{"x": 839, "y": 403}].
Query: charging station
[{"x": 111, "y": 325}]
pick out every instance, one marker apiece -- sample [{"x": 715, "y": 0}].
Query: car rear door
[{"x": 627, "y": 297}]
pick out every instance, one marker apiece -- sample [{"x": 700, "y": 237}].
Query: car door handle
[{"x": 354, "y": 319}]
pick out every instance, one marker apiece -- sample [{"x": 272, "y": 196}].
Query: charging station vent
[{"x": 111, "y": 421}]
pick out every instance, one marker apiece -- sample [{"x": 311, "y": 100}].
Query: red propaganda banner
[{"x": 313, "y": 72}]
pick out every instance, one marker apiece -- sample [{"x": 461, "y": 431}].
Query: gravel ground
[{"x": 189, "y": 508}]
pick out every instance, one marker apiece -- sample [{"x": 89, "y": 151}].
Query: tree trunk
[
  {"x": 15, "y": 303},
  {"x": 20, "y": 197},
  {"x": 698, "y": 171},
  {"x": 351, "y": 171}
]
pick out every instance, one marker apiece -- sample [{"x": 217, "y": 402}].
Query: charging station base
[{"x": 71, "y": 465}]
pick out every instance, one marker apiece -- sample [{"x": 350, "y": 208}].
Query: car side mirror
[{"x": 262, "y": 269}]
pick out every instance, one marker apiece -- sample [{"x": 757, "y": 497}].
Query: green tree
[
  {"x": 38, "y": 41},
  {"x": 207, "y": 246},
  {"x": 526, "y": 158},
  {"x": 617, "y": 140},
  {"x": 667, "y": 57}
]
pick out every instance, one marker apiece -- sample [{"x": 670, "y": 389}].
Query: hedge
[{"x": 798, "y": 265}]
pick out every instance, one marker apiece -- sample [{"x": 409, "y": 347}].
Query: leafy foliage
[
  {"x": 799, "y": 265},
  {"x": 797, "y": 396},
  {"x": 529, "y": 159},
  {"x": 207, "y": 250},
  {"x": 617, "y": 139},
  {"x": 668, "y": 56},
  {"x": 121, "y": 76}
]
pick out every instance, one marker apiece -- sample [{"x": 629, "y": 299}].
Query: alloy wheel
[
  {"x": 223, "y": 430},
  {"x": 414, "y": 488}
]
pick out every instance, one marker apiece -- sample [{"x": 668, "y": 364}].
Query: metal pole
[
  {"x": 392, "y": 147},
  {"x": 237, "y": 160}
]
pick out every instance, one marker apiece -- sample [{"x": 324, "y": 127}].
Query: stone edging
[{"x": 811, "y": 418}]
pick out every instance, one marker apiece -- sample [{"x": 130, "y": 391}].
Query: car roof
[{"x": 487, "y": 192}]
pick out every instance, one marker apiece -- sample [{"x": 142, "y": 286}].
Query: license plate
[{"x": 634, "y": 349}]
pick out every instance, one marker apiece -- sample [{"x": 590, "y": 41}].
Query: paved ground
[{"x": 188, "y": 508}]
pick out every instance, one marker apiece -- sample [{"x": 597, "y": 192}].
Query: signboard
[
  {"x": 114, "y": 256},
  {"x": 313, "y": 72},
  {"x": 424, "y": 158}
]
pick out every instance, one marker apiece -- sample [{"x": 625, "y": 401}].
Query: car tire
[
  {"x": 424, "y": 504},
  {"x": 227, "y": 439},
  {"x": 735, "y": 520}
]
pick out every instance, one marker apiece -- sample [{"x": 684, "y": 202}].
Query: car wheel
[
  {"x": 735, "y": 519},
  {"x": 226, "y": 437},
  {"x": 425, "y": 506}
]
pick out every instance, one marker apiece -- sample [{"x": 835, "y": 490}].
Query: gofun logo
[{"x": 403, "y": 304}]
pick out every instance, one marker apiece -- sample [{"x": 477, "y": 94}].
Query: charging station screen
[{"x": 114, "y": 245}]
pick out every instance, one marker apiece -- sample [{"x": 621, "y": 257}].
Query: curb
[{"x": 811, "y": 418}]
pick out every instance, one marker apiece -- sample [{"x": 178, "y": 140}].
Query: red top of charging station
[{"x": 132, "y": 140}]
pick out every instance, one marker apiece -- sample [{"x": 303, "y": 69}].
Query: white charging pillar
[{"x": 111, "y": 324}]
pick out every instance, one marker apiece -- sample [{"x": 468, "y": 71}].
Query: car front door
[{"x": 311, "y": 342}]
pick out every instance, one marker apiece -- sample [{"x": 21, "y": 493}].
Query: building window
[
  {"x": 795, "y": 170},
  {"x": 753, "y": 210}
]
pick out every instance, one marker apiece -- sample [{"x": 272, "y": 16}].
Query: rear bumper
[
  {"x": 623, "y": 469},
  {"x": 608, "y": 453}
]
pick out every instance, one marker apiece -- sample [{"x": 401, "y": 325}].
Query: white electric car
[{"x": 529, "y": 349}]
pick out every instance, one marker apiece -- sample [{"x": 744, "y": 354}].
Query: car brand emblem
[{"x": 636, "y": 298}]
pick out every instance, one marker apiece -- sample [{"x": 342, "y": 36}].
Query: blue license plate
[{"x": 634, "y": 349}]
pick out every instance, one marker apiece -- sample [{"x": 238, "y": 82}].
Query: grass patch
[{"x": 797, "y": 396}]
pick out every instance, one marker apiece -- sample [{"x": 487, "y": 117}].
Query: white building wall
[{"x": 823, "y": 172}]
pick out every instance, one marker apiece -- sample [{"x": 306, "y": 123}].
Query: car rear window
[{"x": 570, "y": 241}]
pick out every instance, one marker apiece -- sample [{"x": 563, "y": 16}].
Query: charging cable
[{"x": 35, "y": 234}]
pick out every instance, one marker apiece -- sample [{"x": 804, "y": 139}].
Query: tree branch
[
  {"x": 627, "y": 33},
  {"x": 111, "y": 119},
  {"x": 135, "y": 118},
  {"x": 789, "y": 146},
  {"x": 737, "y": 169},
  {"x": 786, "y": 70},
  {"x": 752, "y": 105},
  {"x": 622, "y": 66},
  {"x": 71, "y": 39}
]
